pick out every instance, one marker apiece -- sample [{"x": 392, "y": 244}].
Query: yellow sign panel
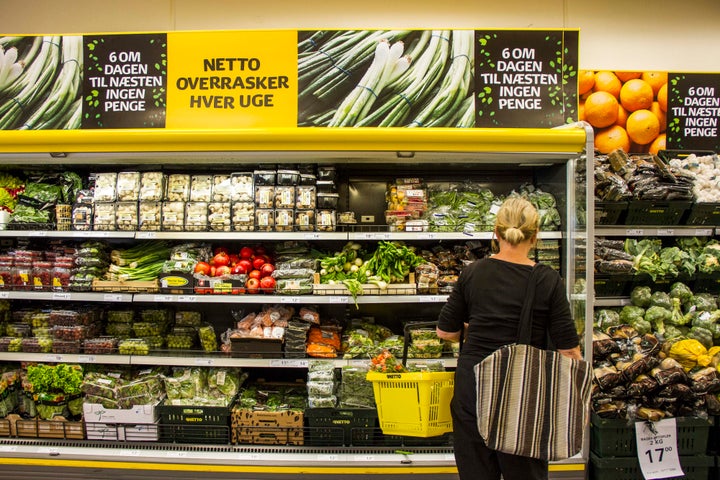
[{"x": 232, "y": 79}]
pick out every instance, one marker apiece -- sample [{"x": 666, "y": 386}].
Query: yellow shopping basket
[{"x": 414, "y": 404}]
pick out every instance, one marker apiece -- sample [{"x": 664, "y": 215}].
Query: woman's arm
[{"x": 451, "y": 336}]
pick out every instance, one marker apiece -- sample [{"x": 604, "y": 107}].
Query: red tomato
[
  {"x": 258, "y": 262},
  {"x": 267, "y": 269},
  {"x": 246, "y": 252},
  {"x": 238, "y": 270},
  {"x": 203, "y": 268},
  {"x": 234, "y": 259},
  {"x": 217, "y": 250},
  {"x": 255, "y": 274},
  {"x": 221, "y": 259},
  {"x": 222, "y": 270},
  {"x": 267, "y": 284},
  {"x": 252, "y": 285},
  {"x": 246, "y": 265}
]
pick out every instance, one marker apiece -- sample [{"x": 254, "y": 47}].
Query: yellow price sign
[{"x": 232, "y": 79}]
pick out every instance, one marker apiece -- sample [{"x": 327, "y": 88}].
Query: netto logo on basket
[
  {"x": 194, "y": 420},
  {"x": 341, "y": 422}
]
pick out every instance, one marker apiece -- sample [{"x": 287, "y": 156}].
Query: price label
[
  {"x": 176, "y": 454},
  {"x": 52, "y": 451},
  {"x": 204, "y": 362},
  {"x": 39, "y": 233},
  {"x": 357, "y": 363},
  {"x": 188, "y": 298},
  {"x": 328, "y": 458},
  {"x": 289, "y": 363},
  {"x": 82, "y": 234},
  {"x": 432, "y": 298},
  {"x": 86, "y": 359},
  {"x": 53, "y": 358},
  {"x": 427, "y": 236},
  {"x": 639, "y": 232},
  {"x": 8, "y": 448},
  {"x": 163, "y": 298},
  {"x": 657, "y": 449},
  {"x": 666, "y": 232},
  {"x": 112, "y": 297},
  {"x": 289, "y": 299},
  {"x": 339, "y": 299},
  {"x": 146, "y": 235},
  {"x": 364, "y": 458},
  {"x": 311, "y": 236},
  {"x": 703, "y": 232},
  {"x": 4, "y": 294},
  {"x": 61, "y": 296}
]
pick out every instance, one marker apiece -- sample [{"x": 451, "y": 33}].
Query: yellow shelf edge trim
[
  {"x": 297, "y": 470},
  {"x": 561, "y": 140}
]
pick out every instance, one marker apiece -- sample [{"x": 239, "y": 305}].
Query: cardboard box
[
  {"x": 138, "y": 414},
  {"x": 267, "y": 428},
  {"x": 123, "y": 432},
  {"x": 58, "y": 427}
]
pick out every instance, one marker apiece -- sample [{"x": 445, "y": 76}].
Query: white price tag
[
  {"x": 426, "y": 236},
  {"x": 703, "y": 232},
  {"x": 146, "y": 235},
  {"x": 657, "y": 449},
  {"x": 328, "y": 458},
  {"x": 61, "y": 296},
  {"x": 176, "y": 454},
  {"x": 635, "y": 232},
  {"x": 666, "y": 232},
  {"x": 188, "y": 298},
  {"x": 431, "y": 298},
  {"x": 339, "y": 299},
  {"x": 289, "y": 299},
  {"x": 311, "y": 236},
  {"x": 53, "y": 358},
  {"x": 38, "y": 233},
  {"x": 163, "y": 298},
  {"x": 8, "y": 448},
  {"x": 4, "y": 294},
  {"x": 86, "y": 359},
  {"x": 205, "y": 362},
  {"x": 364, "y": 458},
  {"x": 112, "y": 297},
  {"x": 300, "y": 363}
]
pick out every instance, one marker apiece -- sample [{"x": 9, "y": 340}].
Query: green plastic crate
[
  {"x": 695, "y": 467},
  {"x": 615, "y": 438}
]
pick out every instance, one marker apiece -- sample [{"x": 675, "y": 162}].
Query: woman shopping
[{"x": 485, "y": 307}]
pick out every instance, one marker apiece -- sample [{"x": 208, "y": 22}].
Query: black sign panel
[
  {"x": 125, "y": 81},
  {"x": 525, "y": 78},
  {"x": 693, "y": 111}
]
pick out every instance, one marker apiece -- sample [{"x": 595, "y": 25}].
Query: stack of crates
[{"x": 613, "y": 449}]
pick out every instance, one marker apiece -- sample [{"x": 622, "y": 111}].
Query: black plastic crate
[
  {"x": 611, "y": 437},
  {"x": 647, "y": 212},
  {"x": 194, "y": 424},
  {"x": 340, "y": 426},
  {"x": 613, "y": 285},
  {"x": 610, "y": 213},
  {"x": 703, "y": 214},
  {"x": 694, "y": 467}
]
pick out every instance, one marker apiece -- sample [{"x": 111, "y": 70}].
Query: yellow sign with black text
[{"x": 232, "y": 79}]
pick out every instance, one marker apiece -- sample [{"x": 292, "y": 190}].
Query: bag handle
[{"x": 526, "y": 314}]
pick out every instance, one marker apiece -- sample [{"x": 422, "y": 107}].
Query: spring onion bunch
[
  {"x": 46, "y": 93},
  {"x": 143, "y": 261}
]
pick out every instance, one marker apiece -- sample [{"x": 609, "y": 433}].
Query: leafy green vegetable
[
  {"x": 630, "y": 313},
  {"x": 657, "y": 316},
  {"x": 681, "y": 291},
  {"x": 703, "y": 302},
  {"x": 641, "y": 296},
  {"x": 661, "y": 299}
]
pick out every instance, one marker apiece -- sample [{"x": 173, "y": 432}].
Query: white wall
[{"x": 674, "y": 35}]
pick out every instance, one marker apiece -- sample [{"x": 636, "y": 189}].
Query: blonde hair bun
[{"x": 517, "y": 220}]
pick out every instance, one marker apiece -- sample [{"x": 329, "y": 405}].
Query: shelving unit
[{"x": 554, "y": 155}]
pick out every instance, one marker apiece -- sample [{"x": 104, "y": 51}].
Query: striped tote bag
[{"x": 533, "y": 402}]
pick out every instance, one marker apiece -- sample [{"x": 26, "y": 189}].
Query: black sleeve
[{"x": 454, "y": 313}]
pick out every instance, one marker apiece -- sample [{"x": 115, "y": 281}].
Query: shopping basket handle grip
[{"x": 406, "y": 335}]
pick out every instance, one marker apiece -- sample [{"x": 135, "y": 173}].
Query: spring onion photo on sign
[
  {"x": 389, "y": 78},
  {"x": 40, "y": 82}
]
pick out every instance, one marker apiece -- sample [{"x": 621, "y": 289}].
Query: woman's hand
[
  {"x": 573, "y": 353},
  {"x": 451, "y": 336}
]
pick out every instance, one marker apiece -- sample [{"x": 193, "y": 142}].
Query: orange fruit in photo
[
  {"x": 601, "y": 109},
  {"x": 586, "y": 80},
  {"x": 660, "y": 114},
  {"x": 662, "y": 97},
  {"x": 622, "y": 116},
  {"x": 655, "y": 79},
  {"x": 625, "y": 76},
  {"x": 612, "y": 138},
  {"x": 643, "y": 126},
  {"x": 581, "y": 112},
  {"x": 658, "y": 144},
  {"x": 636, "y": 94},
  {"x": 606, "y": 81}
]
